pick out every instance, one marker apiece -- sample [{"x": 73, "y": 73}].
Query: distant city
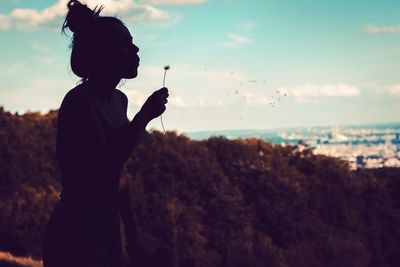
[{"x": 363, "y": 146}]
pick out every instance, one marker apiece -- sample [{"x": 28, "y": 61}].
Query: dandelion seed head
[{"x": 167, "y": 67}]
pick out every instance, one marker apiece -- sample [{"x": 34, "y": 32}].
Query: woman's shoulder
[
  {"x": 123, "y": 97},
  {"x": 74, "y": 95},
  {"x": 121, "y": 94},
  {"x": 75, "y": 99},
  {"x": 77, "y": 91}
]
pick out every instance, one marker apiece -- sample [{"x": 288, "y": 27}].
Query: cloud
[
  {"x": 198, "y": 89},
  {"x": 37, "y": 94},
  {"x": 236, "y": 40},
  {"x": 177, "y": 101},
  {"x": 40, "y": 47},
  {"x": 311, "y": 92},
  {"x": 137, "y": 99},
  {"x": 253, "y": 99},
  {"x": 174, "y": 2},
  {"x": 381, "y": 30},
  {"x": 52, "y": 16},
  {"x": 394, "y": 90},
  {"x": 14, "y": 69},
  {"x": 247, "y": 26},
  {"x": 4, "y": 22},
  {"x": 207, "y": 102}
]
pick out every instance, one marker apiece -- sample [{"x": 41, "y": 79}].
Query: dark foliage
[{"x": 219, "y": 202}]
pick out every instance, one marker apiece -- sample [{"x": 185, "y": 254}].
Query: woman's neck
[{"x": 102, "y": 86}]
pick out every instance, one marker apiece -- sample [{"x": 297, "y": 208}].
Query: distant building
[
  {"x": 392, "y": 163},
  {"x": 360, "y": 161}
]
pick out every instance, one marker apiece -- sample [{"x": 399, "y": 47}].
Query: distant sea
[
  {"x": 296, "y": 134},
  {"x": 363, "y": 146}
]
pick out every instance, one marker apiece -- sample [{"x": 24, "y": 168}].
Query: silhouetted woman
[{"x": 94, "y": 139}]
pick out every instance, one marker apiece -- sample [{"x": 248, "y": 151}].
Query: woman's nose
[{"x": 136, "y": 49}]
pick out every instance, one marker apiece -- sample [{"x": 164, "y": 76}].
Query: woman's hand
[{"x": 155, "y": 104}]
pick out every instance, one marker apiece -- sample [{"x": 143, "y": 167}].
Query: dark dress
[{"x": 94, "y": 140}]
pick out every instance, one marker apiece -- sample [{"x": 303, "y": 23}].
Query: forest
[{"x": 213, "y": 203}]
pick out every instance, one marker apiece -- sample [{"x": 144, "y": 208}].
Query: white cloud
[
  {"x": 310, "y": 92},
  {"x": 177, "y": 101},
  {"x": 45, "y": 60},
  {"x": 247, "y": 26},
  {"x": 238, "y": 39},
  {"x": 394, "y": 90},
  {"x": 174, "y": 2},
  {"x": 52, "y": 16},
  {"x": 38, "y": 94},
  {"x": 207, "y": 102},
  {"x": 254, "y": 99},
  {"x": 15, "y": 69},
  {"x": 4, "y": 22},
  {"x": 235, "y": 40},
  {"x": 136, "y": 98},
  {"x": 380, "y": 30},
  {"x": 188, "y": 86},
  {"x": 40, "y": 47}
]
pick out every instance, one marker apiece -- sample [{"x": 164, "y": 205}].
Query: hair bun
[{"x": 80, "y": 17}]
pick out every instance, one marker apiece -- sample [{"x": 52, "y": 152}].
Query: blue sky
[{"x": 235, "y": 64}]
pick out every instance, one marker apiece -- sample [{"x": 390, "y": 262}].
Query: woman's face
[{"x": 123, "y": 60}]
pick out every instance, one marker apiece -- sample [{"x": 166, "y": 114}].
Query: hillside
[{"x": 216, "y": 202}]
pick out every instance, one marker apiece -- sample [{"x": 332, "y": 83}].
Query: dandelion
[{"x": 166, "y": 67}]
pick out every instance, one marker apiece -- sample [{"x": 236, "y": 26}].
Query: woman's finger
[
  {"x": 164, "y": 94},
  {"x": 162, "y": 97},
  {"x": 163, "y": 90}
]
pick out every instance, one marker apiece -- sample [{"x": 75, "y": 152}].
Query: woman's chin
[{"x": 130, "y": 75}]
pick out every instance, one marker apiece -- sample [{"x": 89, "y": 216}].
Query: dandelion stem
[
  {"x": 165, "y": 74},
  {"x": 162, "y": 124}
]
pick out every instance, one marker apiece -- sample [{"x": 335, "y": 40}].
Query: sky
[{"x": 235, "y": 64}]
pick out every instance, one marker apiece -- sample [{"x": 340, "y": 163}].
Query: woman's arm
[
  {"x": 131, "y": 134},
  {"x": 82, "y": 146},
  {"x": 84, "y": 153}
]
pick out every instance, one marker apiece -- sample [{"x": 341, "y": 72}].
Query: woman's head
[{"x": 101, "y": 46}]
